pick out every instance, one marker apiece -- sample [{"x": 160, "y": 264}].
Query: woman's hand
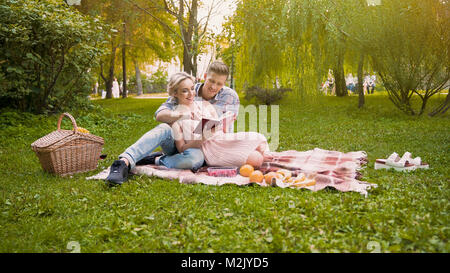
[
  {"x": 193, "y": 144},
  {"x": 182, "y": 115}
]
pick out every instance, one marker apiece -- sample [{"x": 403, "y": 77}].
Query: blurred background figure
[{"x": 115, "y": 89}]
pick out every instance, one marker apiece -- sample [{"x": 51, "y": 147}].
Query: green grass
[{"x": 408, "y": 212}]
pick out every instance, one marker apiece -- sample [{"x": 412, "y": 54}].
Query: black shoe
[
  {"x": 150, "y": 159},
  {"x": 118, "y": 173}
]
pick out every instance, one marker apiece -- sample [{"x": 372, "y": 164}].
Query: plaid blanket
[
  {"x": 333, "y": 163},
  {"x": 328, "y": 168}
]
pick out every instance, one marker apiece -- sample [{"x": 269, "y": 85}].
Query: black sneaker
[
  {"x": 150, "y": 159},
  {"x": 118, "y": 173}
]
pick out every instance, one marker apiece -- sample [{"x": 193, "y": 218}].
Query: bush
[
  {"x": 47, "y": 51},
  {"x": 265, "y": 95},
  {"x": 157, "y": 83}
]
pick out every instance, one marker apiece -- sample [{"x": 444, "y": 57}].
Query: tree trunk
[
  {"x": 189, "y": 49},
  {"x": 232, "y": 71},
  {"x": 109, "y": 80},
  {"x": 360, "y": 81},
  {"x": 441, "y": 109},
  {"x": 124, "y": 65},
  {"x": 339, "y": 77},
  {"x": 187, "y": 60},
  {"x": 138, "y": 78}
]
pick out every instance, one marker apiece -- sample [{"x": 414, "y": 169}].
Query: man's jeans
[{"x": 162, "y": 136}]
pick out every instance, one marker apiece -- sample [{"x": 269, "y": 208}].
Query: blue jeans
[{"x": 162, "y": 136}]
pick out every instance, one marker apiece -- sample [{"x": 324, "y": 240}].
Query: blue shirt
[{"x": 224, "y": 101}]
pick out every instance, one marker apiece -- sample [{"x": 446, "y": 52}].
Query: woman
[{"x": 219, "y": 148}]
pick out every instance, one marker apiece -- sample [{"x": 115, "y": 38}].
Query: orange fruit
[
  {"x": 246, "y": 170},
  {"x": 256, "y": 176},
  {"x": 269, "y": 176}
]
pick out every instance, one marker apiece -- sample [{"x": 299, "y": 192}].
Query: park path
[{"x": 144, "y": 96}]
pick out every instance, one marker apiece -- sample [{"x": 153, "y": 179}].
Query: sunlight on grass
[{"x": 408, "y": 212}]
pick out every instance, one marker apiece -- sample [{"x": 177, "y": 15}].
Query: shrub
[
  {"x": 47, "y": 51},
  {"x": 265, "y": 95}
]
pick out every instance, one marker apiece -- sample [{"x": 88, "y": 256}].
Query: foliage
[
  {"x": 408, "y": 212},
  {"x": 145, "y": 39},
  {"x": 409, "y": 48},
  {"x": 282, "y": 40},
  {"x": 265, "y": 96},
  {"x": 47, "y": 51},
  {"x": 156, "y": 83},
  {"x": 298, "y": 41}
]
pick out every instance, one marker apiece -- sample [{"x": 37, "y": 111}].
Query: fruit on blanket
[
  {"x": 256, "y": 176},
  {"x": 269, "y": 176},
  {"x": 305, "y": 183},
  {"x": 286, "y": 173},
  {"x": 300, "y": 178},
  {"x": 246, "y": 170},
  {"x": 82, "y": 130}
]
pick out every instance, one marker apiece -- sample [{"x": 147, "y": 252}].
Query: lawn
[{"x": 408, "y": 212}]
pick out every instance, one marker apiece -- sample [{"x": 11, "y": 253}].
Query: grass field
[{"x": 408, "y": 212}]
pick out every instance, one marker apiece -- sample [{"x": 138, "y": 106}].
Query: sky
[{"x": 225, "y": 8}]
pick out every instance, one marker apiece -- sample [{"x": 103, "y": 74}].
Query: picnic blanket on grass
[{"x": 328, "y": 168}]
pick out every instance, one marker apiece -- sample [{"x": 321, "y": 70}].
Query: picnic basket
[{"x": 65, "y": 152}]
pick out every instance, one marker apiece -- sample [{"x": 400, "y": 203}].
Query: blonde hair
[
  {"x": 175, "y": 80},
  {"x": 218, "y": 67}
]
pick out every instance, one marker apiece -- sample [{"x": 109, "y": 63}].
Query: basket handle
[{"x": 74, "y": 123}]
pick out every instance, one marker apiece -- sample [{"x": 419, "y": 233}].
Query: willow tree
[
  {"x": 293, "y": 42},
  {"x": 260, "y": 34},
  {"x": 347, "y": 27}
]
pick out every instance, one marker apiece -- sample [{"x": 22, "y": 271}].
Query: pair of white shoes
[{"x": 404, "y": 163}]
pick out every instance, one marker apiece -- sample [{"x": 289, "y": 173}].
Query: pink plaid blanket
[
  {"x": 328, "y": 168},
  {"x": 331, "y": 163}
]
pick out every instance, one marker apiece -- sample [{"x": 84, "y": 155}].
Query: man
[{"x": 223, "y": 98}]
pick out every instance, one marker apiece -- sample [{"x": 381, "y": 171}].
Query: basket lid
[
  {"x": 60, "y": 137},
  {"x": 52, "y": 138}
]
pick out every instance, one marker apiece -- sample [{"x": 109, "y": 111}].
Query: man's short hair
[{"x": 218, "y": 67}]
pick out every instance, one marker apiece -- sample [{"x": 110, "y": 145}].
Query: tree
[
  {"x": 142, "y": 39},
  {"x": 47, "y": 51},
  {"x": 409, "y": 50},
  {"x": 191, "y": 30}
]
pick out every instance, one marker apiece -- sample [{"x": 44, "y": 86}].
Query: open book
[{"x": 209, "y": 123}]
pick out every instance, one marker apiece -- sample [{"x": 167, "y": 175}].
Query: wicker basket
[{"x": 66, "y": 152}]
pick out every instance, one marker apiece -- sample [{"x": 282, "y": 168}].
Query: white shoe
[
  {"x": 416, "y": 161},
  {"x": 394, "y": 162}
]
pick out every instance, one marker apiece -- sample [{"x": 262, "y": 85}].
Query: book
[{"x": 209, "y": 123}]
